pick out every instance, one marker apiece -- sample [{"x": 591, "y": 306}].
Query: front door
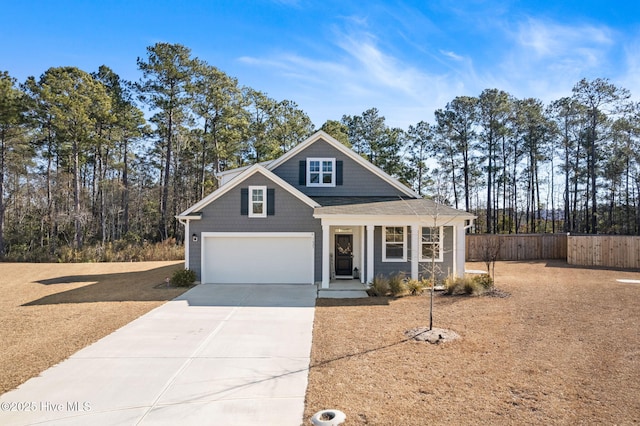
[{"x": 344, "y": 254}]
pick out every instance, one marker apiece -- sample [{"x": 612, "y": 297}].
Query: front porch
[{"x": 342, "y": 289}]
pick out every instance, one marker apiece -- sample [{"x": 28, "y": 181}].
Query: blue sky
[{"x": 406, "y": 58}]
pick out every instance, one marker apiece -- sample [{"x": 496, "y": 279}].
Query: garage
[{"x": 258, "y": 257}]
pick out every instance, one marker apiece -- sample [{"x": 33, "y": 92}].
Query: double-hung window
[
  {"x": 395, "y": 244},
  {"x": 321, "y": 172},
  {"x": 257, "y": 201},
  {"x": 431, "y": 244}
]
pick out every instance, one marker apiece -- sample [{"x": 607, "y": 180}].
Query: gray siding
[
  {"x": 444, "y": 268},
  {"x": 357, "y": 180},
  {"x": 223, "y": 215}
]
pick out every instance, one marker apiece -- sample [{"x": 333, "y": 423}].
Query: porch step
[
  {"x": 343, "y": 289},
  {"x": 328, "y": 293}
]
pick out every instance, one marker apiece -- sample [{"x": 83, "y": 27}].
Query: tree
[
  {"x": 13, "y": 145},
  {"x": 75, "y": 103},
  {"x": 337, "y": 130},
  {"x": 535, "y": 131},
  {"x": 374, "y": 140},
  {"x": 419, "y": 149},
  {"x": 289, "y": 125},
  {"x": 455, "y": 128},
  {"x": 493, "y": 109},
  {"x": 218, "y": 103},
  {"x": 260, "y": 146},
  {"x": 166, "y": 75},
  {"x": 566, "y": 114},
  {"x": 597, "y": 96},
  {"x": 129, "y": 125}
]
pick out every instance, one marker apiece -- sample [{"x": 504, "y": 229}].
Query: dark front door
[{"x": 344, "y": 254}]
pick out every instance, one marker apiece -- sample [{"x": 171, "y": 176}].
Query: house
[{"x": 318, "y": 213}]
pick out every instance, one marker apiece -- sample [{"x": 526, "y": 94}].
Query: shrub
[
  {"x": 454, "y": 285},
  {"x": 396, "y": 284},
  {"x": 379, "y": 286},
  {"x": 476, "y": 284},
  {"x": 183, "y": 277},
  {"x": 415, "y": 287},
  {"x": 470, "y": 286},
  {"x": 484, "y": 281}
]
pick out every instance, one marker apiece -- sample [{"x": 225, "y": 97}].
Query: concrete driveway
[{"x": 218, "y": 355}]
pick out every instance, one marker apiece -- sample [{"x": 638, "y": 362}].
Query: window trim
[
  {"x": 385, "y": 242},
  {"x": 440, "y": 243},
  {"x": 264, "y": 200},
  {"x": 320, "y": 183}
]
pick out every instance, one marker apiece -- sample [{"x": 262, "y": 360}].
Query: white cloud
[
  {"x": 575, "y": 45},
  {"x": 451, "y": 55}
]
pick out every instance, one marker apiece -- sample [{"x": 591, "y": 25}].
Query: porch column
[
  {"x": 326, "y": 264},
  {"x": 370, "y": 272},
  {"x": 415, "y": 250},
  {"x": 362, "y": 249},
  {"x": 458, "y": 250}
]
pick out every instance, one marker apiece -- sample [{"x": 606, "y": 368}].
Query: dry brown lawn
[
  {"x": 564, "y": 348},
  {"x": 50, "y": 311}
]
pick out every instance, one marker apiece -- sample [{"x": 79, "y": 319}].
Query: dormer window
[{"x": 321, "y": 172}]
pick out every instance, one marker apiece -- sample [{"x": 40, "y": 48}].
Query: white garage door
[{"x": 256, "y": 258}]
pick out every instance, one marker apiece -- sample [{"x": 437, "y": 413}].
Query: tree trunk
[
  {"x": 2, "y": 205},
  {"x": 125, "y": 188},
  {"x": 164, "y": 226},
  {"x": 76, "y": 195}
]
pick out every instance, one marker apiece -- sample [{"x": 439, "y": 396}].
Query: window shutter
[
  {"x": 244, "y": 201},
  {"x": 271, "y": 202},
  {"x": 302, "y": 173},
  {"x": 338, "y": 172}
]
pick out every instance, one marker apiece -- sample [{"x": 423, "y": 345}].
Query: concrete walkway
[{"x": 218, "y": 355}]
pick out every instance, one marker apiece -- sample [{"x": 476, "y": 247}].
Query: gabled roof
[
  {"x": 321, "y": 135},
  {"x": 256, "y": 168}
]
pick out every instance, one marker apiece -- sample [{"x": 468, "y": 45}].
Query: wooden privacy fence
[
  {"x": 604, "y": 250},
  {"x": 518, "y": 246}
]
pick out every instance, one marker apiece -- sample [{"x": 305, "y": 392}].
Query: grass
[
  {"x": 562, "y": 349},
  {"x": 50, "y": 311}
]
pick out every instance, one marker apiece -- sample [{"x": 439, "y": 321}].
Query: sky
[{"x": 405, "y": 58}]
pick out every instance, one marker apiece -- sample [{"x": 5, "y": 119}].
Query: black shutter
[
  {"x": 302, "y": 173},
  {"x": 244, "y": 201},
  {"x": 338, "y": 172},
  {"x": 271, "y": 202}
]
